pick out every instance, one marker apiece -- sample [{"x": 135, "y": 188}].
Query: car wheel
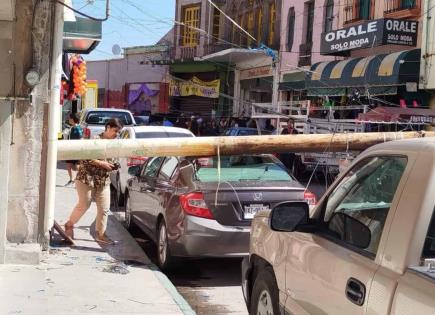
[
  {"x": 264, "y": 299},
  {"x": 164, "y": 259},
  {"x": 128, "y": 217}
]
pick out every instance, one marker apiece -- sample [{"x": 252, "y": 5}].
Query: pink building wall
[
  {"x": 115, "y": 75},
  {"x": 289, "y": 60}
]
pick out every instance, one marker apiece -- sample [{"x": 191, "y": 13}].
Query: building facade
[
  {"x": 139, "y": 70},
  {"x": 376, "y": 44},
  {"x": 242, "y": 57},
  {"x": 302, "y": 25}
]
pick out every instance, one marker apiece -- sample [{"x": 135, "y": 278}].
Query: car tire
[
  {"x": 265, "y": 298},
  {"x": 164, "y": 259},
  {"x": 119, "y": 197},
  {"x": 128, "y": 221}
]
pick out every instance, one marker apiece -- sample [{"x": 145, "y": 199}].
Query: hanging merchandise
[{"x": 78, "y": 74}]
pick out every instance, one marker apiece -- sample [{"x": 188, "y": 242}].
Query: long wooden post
[{"x": 210, "y": 146}]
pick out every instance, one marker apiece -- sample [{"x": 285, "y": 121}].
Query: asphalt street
[{"x": 211, "y": 286}]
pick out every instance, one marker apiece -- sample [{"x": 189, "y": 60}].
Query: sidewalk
[{"x": 86, "y": 278}]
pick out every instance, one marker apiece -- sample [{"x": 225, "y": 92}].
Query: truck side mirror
[
  {"x": 350, "y": 230},
  {"x": 289, "y": 216}
]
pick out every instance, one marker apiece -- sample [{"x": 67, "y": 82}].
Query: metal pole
[{"x": 53, "y": 121}]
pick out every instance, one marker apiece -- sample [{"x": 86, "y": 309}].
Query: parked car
[
  {"x": 142, "y": 120},
  {"x": 93, "y": 120},
  {"x": 367, "y": 247},
  {"x": 190, "y": 208},
  {"x": 119, "y": 178},
  {"x": 244, "y": 131}
]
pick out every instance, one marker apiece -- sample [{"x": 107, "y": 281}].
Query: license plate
[{"x": 250, "y": 210}]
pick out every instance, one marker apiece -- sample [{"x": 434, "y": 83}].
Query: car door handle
[{"x": 355, "y": 291}]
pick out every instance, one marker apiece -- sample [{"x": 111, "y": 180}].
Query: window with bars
[
  {"x": 260, "y": 25},
  {"x": 250, "y": 26},
  {"x": 291, "y": 28},
  {"x": 191, "y": 20},
  {"x": 355, "y": 10},
  {"x": 329, "y": 16},
  {"x": 272, "y": 22},
  {"x": 216, "y": 24},
  {"x": 310, "y": 22}
]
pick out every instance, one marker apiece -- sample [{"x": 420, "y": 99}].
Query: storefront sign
[
  {"x": 370, "y": 34},
  {"x": 422, "y": 119},
  {"x": 256, "y": 73},
  {"x": 196, "y": 87}
]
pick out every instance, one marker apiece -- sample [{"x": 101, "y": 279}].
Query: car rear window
[
  {"x": 240, "y": 168},
  {"x": 101, "y": 117},
  {"x": 161, "y": 134}
]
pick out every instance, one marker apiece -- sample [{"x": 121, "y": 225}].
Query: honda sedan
[{"x": 203, "y": 207}]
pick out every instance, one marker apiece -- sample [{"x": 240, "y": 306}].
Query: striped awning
[{"x": 380, "y": 74}]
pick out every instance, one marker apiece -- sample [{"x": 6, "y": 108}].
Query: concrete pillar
[{"x": 5, "y": 142}]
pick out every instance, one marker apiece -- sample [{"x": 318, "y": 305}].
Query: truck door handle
[{"x": 355, "y": 291}]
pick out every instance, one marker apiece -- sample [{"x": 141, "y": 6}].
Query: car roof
[
  {"x": 159, "y": 128},
  {"x": 107, "y": 110},
  {"x": 415, "y": 144}
]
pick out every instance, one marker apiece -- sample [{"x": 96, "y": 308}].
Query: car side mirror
[
  {"x": 350, "y": 230},
  {"x": 289, "y": 216},
  {"x": 134, "y": 170}
]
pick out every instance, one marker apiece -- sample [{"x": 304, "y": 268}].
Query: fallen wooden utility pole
[{"x": 211, "y": 146}]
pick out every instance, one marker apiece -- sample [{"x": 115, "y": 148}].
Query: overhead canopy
[
  {"x": 294, "y": 81},
  {"x": 398, "y": 114},
  {"x": 82, "y": 35},
  {"x": 375, "y": 75},
  {"x": 233, "y": 55}
]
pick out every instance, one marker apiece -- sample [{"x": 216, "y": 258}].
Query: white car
[
  {"x": 93, "y": 120},
  {"x": 119, "y": 178}
]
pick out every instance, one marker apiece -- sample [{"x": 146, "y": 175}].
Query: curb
[
  {"x": 164, "y": 280},
  {"x": 170, "y": 288}
]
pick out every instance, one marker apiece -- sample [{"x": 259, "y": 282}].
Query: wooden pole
[{"x": 208, "y": 146}]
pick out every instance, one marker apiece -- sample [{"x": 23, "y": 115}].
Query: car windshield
[
  {"x": 240, "y": 168},
  {"x": 101, "y": 117},
  {"x": 161, "y": 134}
]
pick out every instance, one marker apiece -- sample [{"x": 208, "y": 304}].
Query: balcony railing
[
  {"x": 393, "y": 6},
  {"x": 305, "y": 54},
  {"x": 188, "y": 52},
  {"x": 356, "y": 10}
]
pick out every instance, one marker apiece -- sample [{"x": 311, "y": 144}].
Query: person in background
[
  {"x": 194, "y": 127},
  {"x": 269, "y": 125},
  {"x": 290, "y": 128},
  {"x": 92, "y": 182},
  {"x": 76, "y": 133},
  {"x": 288, "y": 159},
  {"x": 167, "y": 122}
]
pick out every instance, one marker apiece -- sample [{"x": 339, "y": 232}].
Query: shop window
[
  {"x": 272, "y": 22},
  {"x": 329, "y": 16},
  {"x": 291, "y": 28},
  {"x": 191, "y": 19},
  {"x": 216, "y": 24}
]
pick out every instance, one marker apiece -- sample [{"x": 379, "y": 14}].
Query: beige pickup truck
[{"x": 368, "y": 247}]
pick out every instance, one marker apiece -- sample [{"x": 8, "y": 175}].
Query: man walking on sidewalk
[{"x": 92, "y": 181}]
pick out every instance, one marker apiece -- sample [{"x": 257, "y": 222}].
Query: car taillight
[
  {"x": 135, "y": 161},
  {"x": 310, "y": 198},
  {"x": 194, "y": 204},
  {"x": 86, "y": 133}
]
